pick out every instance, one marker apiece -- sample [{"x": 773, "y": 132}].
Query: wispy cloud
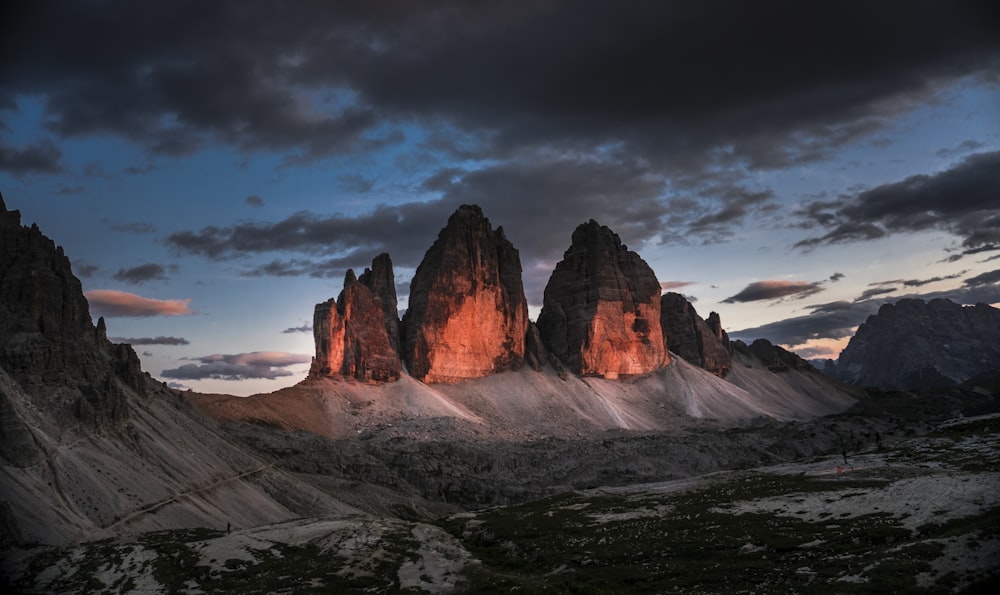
[
  {"x": 772, "y": 290},
  {"x": 240, "y": 366},
  {"x": 305, "y": 328},
  {"x": 141, "y": 274},
  {"x": 108, "y": 302},
  {"x": 151, "y": 340}
]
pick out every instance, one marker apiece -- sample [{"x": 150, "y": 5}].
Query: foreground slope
[
  {"x": 920, "y": 515},
  {"x": 89, "y": 445},
  {"x": 524, "y": 403}
]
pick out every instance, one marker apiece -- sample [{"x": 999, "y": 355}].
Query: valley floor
[{"x": 920, "y": 514}]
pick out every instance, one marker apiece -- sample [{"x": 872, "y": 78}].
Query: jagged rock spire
[
  {"x": 467, "y": 315},
  {"x": 601, "y": 311}
]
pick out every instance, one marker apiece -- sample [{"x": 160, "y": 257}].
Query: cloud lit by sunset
[{"x": 109, "y": 302}]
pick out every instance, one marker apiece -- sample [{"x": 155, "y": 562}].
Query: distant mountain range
[{"x": 914, "y": 345}]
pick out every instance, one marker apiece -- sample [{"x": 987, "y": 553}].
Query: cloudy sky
[{"x": 213, "y": 168}]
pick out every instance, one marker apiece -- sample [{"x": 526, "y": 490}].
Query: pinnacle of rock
[{"x": 601, "y": 311}]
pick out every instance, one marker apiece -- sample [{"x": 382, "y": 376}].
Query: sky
[{"x": 213, "y": 168}]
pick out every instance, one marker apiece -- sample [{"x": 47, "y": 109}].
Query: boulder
[
  {"x": 601, "y": 308},
  {"x": 467, "y": 315}
]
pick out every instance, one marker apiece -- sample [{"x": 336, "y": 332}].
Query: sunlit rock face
[
  {"x": 701, "y": 343},
  {"x": 353, "y": 333},
  {"x": 601, "y": 310},
  {"x": 382, "y": 283},
  {"x": 467, "y": 315}
]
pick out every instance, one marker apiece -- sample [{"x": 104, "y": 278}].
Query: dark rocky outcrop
[
  {"x": 381, "y": 281},
  {"x": 467, "y": 315},
  {"x": 356, "y": 337},
  {"x": 48, "y": 344},
  {"x": 701, "y": 343},
  {"x": 777, "y": 359},
  {"x": 913, "y": 344},
  {"x": 601, "y": 309}
]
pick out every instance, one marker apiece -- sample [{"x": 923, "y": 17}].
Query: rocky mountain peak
[
  {"x": 601, "y": 308},
  {"x": 381, "y": 281},
  {"x": 467, "y": 315},
  {"x": 48, "y": 343},
  {"x": 701, "y": 343},
  {"x": 353, "y": 333},
  {"x": 913, "y": 344}
]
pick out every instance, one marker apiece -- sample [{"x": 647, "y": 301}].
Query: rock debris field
[{"x": 921, "y": 514}]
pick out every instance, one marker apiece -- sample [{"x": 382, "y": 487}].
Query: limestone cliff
[
  {"x": 601, "y": 308},
  {"x": 48, "y": 343},
  {"x": 353, "y": 333},
  {"x": 467, "y": 315},
  {"x": 701, "y": 343},
  {"x": 381, "y": 281},
  {"x": 913, "y": 344}
]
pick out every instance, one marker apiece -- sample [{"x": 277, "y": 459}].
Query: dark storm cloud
[
  {"x": 764, "y": 83},
  {"x": 874, "y": 291},
  {"x": 772, "y": 290},
  {"x": 963, "y": 200},
  {"x": 966, "y": 146},
  {"x": 839, "y": 319},
  {"x": 254, "y": 201},
  {"x": 837, "y": 277},
  {"x": 240, "y": 366},
  {"x": 355, "y": 183},
  {"x": 305, "y": 328},
  {"x": 987, "y": 278},
  {"x": 42, "y": 158},
  {"x": 141, "y": 274},
  {"x": 539, "y": 204},
  {"x": 922, "y": 282},
  {"x": 85, "y": 270},
  {"x": 69, "y": 190},
  {"x": 834, "y": 320},
  {"x": 736, "y": 203},
  {"x": 352, "y": 241},
  {"x": 151, "y": 340}
]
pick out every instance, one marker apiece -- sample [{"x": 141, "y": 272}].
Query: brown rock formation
[
  {"x": 601, "y": 311},
  {"x": 467, "y": 315},
  {"x": 701, "y": 343},
  {"x": 48, "y": 344},
  {"x": 382, "y": 283},
  {"x": 352, "y": 333}
]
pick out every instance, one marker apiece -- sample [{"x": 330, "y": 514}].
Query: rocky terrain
[
  {"x": 913, "y": 344},
  {"x": 913, "y": 514},
  {"x": 363, "y": 477}
]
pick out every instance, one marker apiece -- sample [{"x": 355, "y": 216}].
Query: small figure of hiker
[
  {"x": 227, "y": 527},
  {"x": 846, "y": 462}
]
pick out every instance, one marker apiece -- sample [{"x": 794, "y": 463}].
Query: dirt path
[{"x": 157, "y": 505}]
